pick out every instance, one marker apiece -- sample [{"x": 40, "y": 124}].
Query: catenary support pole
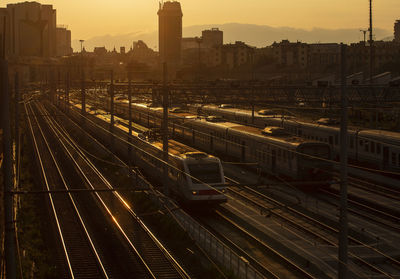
[
  {"x": 67, "y": 82},
  {"x": 165, "y": 127},
  {"x": 9, "y": 234},
  {"x": 17, "y": 100},
  {"x": 112, "y": 109},
  {"x": 343, "y": 221},
  {"x": 130, "y": 123},
  {"x": 83, "y": 93}
]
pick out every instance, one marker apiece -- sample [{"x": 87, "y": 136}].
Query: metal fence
[{"x": 215, "y": 248}]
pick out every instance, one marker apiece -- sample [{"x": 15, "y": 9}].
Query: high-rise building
[
  {"x": 170, "y": 34},
  {"x": 397, "y": 31},
  {"x": 63, "y": 36},
  {"x": 213, "y": 38},
  {"x": 32, "y": 31}
]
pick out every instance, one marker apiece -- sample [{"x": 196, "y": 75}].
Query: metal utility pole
[
  {"x": 9, "y": 234},
  {"x": 343, "y": 222},
  {"x": 67, "y": 91},
  {"x": 371, "y": 44},
  {"x": 165, "y": 128},
  {"x": 130, "y": 123},
  {"x": 17, "y": 137},
  {"x": 83, "y": 92},
  {"x": 112, "y": 108}
]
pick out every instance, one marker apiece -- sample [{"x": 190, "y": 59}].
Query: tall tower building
[
  {"x": 213, "y": 38},
  {"x": 397, "y": 31},
  {"x": 32, "y": 30},
  {"x": 170, "y": 34}
]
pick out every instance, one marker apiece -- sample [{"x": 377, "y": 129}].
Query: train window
[
  {"x": 394, "y": 158},
  {"x": 330, "y": 140},
  {"x": 366, "y": 147},
  {"x": 279, "y": 153},
  {"x": 378, "y": 148},
  {"x": 300, "y": 132},
  {"x": 351, "y": 143},
  {"x": 361, "y": 142},
  {"x": 336, "y": 139},
  {"x": 372, "y": 147}
]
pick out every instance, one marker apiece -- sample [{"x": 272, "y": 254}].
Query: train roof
[
  {"x": 381, "y": 135},
  {"x": 175, "y": 148},
  {"x": 184, "y": 152},
  {"x": 254, "y": 132}
]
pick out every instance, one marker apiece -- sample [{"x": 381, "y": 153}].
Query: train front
[
  {"x": 205, "y": 179},
  {"x": 315, "y": 166}
]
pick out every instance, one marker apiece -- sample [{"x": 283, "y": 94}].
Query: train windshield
[{"x": 206, "y": 173}]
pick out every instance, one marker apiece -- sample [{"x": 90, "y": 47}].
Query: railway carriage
[
  {"x": 374, "y": 148},
  {"x": 196, "y": 177},
  {"x": 288, "y": 156},
  {"x": 284, "y": 155}
]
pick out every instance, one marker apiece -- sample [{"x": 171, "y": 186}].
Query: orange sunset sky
[{"x": 88, "y": 18}]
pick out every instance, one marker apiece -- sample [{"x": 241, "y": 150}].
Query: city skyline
[{"x": 140, "y": 15}]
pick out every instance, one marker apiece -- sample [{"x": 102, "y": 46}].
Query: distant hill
[{"x": 255, "y": 35}]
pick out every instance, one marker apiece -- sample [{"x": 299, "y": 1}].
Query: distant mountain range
[{"x": 255, "y": 35}]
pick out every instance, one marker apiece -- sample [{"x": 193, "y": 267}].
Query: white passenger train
[
  {"x": 375, "y": 148},
  {"x": 284, "y": 155},
  {"x": 196, "y": 177}
]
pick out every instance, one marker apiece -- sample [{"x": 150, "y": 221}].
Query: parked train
[
  {"x": 195, "y": 177},
  {"x": 375, "y": 148},
  {"x": 281, "y": 154}
]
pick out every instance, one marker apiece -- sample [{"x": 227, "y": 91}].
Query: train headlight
[
  {"x": 194, "y": 192},
  {"x": 223, "y": 190}
]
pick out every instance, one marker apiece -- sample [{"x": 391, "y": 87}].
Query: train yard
[
  {"x": 271, "y": 200},
  {"x": 115, "y": 254}
]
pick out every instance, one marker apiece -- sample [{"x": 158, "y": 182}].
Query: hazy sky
[{"x": 89, "y": 18}]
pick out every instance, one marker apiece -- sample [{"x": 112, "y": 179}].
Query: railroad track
[
  {"x": 325, "y": 232},
  {"x": 149, "y": 251},
  {"x": 81, "y": 255},
  {"x": 365, "y": 210},
  {"x": 370, "y": 266},
  {"x": 381, "y": 190}
]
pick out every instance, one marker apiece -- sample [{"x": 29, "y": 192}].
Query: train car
[
  {"x": 283, "y": 155},
  {"x": 196, "y": 177},
  {"x": 375, "y": 148},
  {"x": 378, "y": 148},
  {"x": 305, "y": 161},
  {"x": 239, "y": 115}
]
